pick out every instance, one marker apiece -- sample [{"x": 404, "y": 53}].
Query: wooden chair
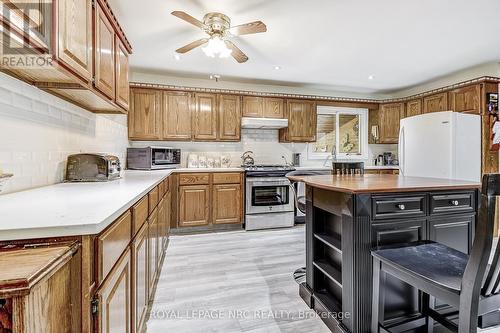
[
  {"x": 463, "y": 281},
  {"x": 348, "y": 168}
]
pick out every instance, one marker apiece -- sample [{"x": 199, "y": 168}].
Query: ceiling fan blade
[
  {"x": 190, "y": 46},
  {"x": 237, "y": 53},
  {"x": 188, "y": 18},
  {"x": 248, "y": 28}
]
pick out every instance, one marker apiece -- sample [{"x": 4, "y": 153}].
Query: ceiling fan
[{"x": 218, "y": 27}]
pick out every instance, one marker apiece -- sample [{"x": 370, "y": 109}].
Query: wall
[{"x": 38, "y": 131}]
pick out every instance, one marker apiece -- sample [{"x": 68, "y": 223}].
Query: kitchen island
[{"x": 348, "y": 215}]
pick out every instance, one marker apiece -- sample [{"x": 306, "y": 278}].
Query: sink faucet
[{"x": 332, "y": 156}]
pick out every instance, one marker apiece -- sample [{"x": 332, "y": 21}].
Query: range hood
[{"x": 263, "y": 123}]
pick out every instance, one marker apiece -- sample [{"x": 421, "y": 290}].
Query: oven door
[{"x": 268, "y": 195}]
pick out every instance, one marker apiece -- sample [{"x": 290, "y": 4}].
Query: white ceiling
[{"x": 321, "y": 43}]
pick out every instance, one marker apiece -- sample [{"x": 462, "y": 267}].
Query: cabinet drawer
[
  {"x": 398, "y": 207},
  {"x": 140, "y": 212},
  {"x": 193, "y": 178},
  {"x": 112, "y": 243},
  {"x": 452, "y": 202},
  {"x": 227, "y": 178},
  {"x": 153, "y": 199}
]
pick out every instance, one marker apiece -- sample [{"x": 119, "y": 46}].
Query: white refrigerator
[{"x": 441, "y": 145}]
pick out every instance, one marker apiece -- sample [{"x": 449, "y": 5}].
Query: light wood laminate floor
[{"x": 233, "y": 282}]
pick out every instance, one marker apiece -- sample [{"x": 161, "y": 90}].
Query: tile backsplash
[{"x": 38, "y": 131}]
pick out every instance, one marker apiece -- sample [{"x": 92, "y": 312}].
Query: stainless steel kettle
[{"x": 247, "y": 158}]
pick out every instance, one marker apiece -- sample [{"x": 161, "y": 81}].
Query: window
[{"x": 346, "y": 128}]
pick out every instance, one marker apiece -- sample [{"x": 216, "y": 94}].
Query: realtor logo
[{"x": 26, "y": 39}]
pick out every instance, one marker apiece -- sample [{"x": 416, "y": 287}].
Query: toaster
[{"x": 92, "y": 168}]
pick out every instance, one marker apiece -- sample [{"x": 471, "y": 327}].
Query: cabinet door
[
  {"x": 205, "y": 117},
  {"x": 390, "y": 115},
  {"x": 144, "y": 115},
  {"x": 122, "y": 78},
  {"x": 114, "y": 315},
  {"x": 252, "y": 107},
  {"x": 226, "y": 204},
  {"x": 168, "y": 214},
  {"x": 455, "y": 232},
  {"x": 273, "y": 108},
  {"x": 152, "y": 251},
  {"x": 74, "y": 36},
  {"x": 301, "y": 121},
  {"x": 466, "y": 99},
  {"x": 436, "y": 103},
  {"x": 140, "y": 277},
  {"x": 400, "y": 298},
  {"x": 414, "y": 108},
  {"x": 176, "y": 110},
  {"x": 161, "y": 229},
  {"x": 104, "y": 53},
  {"x": 193, "y": 205},
  {"x": 229, "y": 118}
]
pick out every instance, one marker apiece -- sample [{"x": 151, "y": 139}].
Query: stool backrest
[
  {"x": 348, "y": 168},
  {"x": 472, "y": 281}
]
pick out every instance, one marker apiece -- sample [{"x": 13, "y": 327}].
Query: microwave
[{"x": 153, "y": 158}]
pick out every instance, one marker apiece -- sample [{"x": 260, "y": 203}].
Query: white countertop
[{"x": 70, "y": 209}]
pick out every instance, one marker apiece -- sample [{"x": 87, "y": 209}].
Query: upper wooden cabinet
[
  {"x": 263, "y": 107},
  {"x": 466, "y": 99},
  {"x": 176, "y": 112},
  {"x": 301, "y": 121},
  {"x": 229, "y": 118},
  {"x": 274, "y": 108},
  {"x": 122, "y": 74},
  {"x": 89, "y": 52},
  {"x": 414, "y": 107},
  {"x": 252, "y": 107},
  {"x": 436, "y": 103},
  {"x": 105, "y": 67},
  {"x": 144, "y": 119},
  {"x": 74, "y": 36},
  {"x": 205, "y": 117},
  {"x": 390, "y": 115}
]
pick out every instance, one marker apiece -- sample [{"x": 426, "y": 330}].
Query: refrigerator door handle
[{"x": 401, "y": 150}]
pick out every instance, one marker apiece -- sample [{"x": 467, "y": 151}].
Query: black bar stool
[
  {"x": 463, "y": 281},
  {"x": 348, "y": 168}
]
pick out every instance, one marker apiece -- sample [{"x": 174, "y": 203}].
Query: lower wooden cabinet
[
  {"x": 208, "y": 199},
  {"x": 152, "y": 251},
  {"x": 226, "y": 203},
  {"x": 194, "y": 205},
  {"x": 114, "y": 295},
  {"x": 140, "y": 279}
]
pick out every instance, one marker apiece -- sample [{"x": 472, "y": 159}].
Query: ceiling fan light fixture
[{"x": 216, "y": 46}]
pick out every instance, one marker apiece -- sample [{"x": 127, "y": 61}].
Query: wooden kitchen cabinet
[
  {"x": 205, "y": 117},
  {"x": 390, "y": 115},
  {"x": 194, "y": 205},
  {"x": 301, "y": 116},
  {"x": 152, "y": 251},
  {"x": 227, "y": 203},
  {"x": 176, "y": 113},
  {"x": 140, "y": 279},
  {"x": 414, "y": 107},
  {"x": 436, "y": 103},
  {"x": 273, "y": 108},
  {"x": 104, "y": 53},
  {"x": 144, "y": 118},
  {"x": 74, "y": 36},
  {"x": 229, "y": 118},
  {"x": 253, "y": 107},
  {"x": 122, "y": 74},
  {"x": 466, "y": 99},
  {"x": 114, "y": 313}
]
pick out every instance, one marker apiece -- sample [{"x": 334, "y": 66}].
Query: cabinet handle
[
  {"x": 454, "y": 202},
  {"x": 401, "y": 207}
]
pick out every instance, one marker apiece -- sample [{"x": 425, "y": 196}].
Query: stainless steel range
[{"x": 269, "y": 197}]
